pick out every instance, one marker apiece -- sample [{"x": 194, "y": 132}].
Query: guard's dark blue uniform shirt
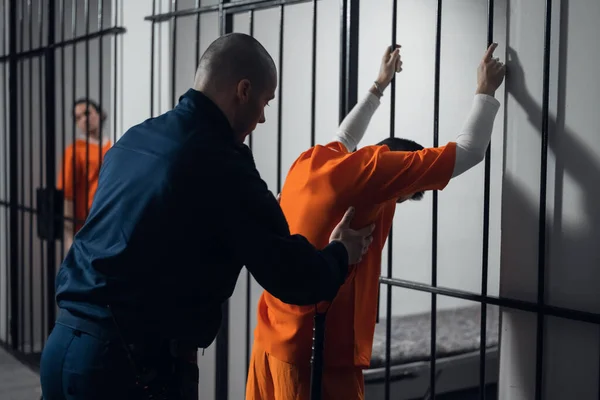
[{"x": 180, "y": 208}]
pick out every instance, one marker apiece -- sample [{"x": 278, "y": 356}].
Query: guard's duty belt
[{"x": 164, "y": 369}]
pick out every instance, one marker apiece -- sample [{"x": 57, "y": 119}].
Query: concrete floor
[{"x": 17, "y": 382}]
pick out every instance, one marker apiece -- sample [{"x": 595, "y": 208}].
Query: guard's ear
[{"x": 243, "y": 90}]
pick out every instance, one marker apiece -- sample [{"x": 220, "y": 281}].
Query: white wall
[
  {"x": 132, "y": 77},
  {"x": 571, "y": 352}
]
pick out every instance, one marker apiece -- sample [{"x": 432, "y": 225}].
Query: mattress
[{"x": 458, "y": 333}]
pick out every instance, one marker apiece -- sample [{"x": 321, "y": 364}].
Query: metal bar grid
[
  {"x": 228, "y": 7},
  {"x": 40, "y": 52},
  {"x": 32, "y": 43}
]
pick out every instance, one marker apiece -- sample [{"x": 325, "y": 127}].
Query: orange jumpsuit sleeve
[
  {"x": 67, "y": 174},
  {"x": 389, "y": 174}
]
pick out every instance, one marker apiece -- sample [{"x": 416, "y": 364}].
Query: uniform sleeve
[
  {"x": 287, "y": 266},
  {"x": 389, "y": 174},
  {"x": 67, "y": 173}
]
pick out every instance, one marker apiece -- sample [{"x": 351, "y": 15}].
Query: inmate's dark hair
[
  {"x": 90, "y": 103},
  {"x": 400, "y": 144}
]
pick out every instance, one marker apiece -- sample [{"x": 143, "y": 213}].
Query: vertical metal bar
[
  {"x": 343, "y": 59},
  {"x": 349, "y": 55},
  {"x": 14, "y": 177},
  {"x": 152, "y": 29},
  {"x": 160, "y": 74},
  {"x": 280, "y": 97},
  {"x": 390, "y": 246},
  {"x": 313, "y": 98},
  {"x": 248, "y": 274},
  {"x": 41, "y": 148},
  {"x": 116, "y": 72},
  {"x": 434, "y": 233},
  {"x": 174, "y": 53},
  {"x": 30, "y": 214},
  {"x": 6, "y": 233},
  {"x": 22, "y": 181},
  {"x": 222, "y": 360},
  {"x": 541, "y": 297},
  {"x": 486, "y": 235},
  {"x": 86, "y": 16},
  {"x": 50, "y": 107},
  {"x": 63, "y": 124},
  {"x": 198, "y": 35},
  {"x": 74, "y": 124},
  {"x": 250, "y": 137},
  {"x": 100, "y": 84}
]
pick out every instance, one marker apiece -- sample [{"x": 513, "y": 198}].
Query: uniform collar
[{"x": 204, "y": 108}]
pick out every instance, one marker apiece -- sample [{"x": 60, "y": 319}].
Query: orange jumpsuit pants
[{"x": 272, "y": 379}]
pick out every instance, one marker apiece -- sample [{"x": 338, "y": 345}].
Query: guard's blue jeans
[{"x": 78, "y": 365}]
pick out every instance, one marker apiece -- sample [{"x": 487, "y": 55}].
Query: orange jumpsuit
[
  {"x": 76, "y": 173},
  {"x": 321, "y": 184}
]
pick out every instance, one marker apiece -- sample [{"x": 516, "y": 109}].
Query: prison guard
[
  {"x": 320, "y": 185},
  {"x": 77, "y": 192},
  {"x": 166, "y": 254}
]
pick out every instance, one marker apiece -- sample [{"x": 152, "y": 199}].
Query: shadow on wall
[{"x": 573, "y": 252}]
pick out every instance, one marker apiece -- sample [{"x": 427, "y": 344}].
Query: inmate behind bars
[{"x": 324, "y": 180}]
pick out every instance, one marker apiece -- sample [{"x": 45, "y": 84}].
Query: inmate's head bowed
[
  {"x": 399, "y": 144},
  {"x": 238, "y": 74}
]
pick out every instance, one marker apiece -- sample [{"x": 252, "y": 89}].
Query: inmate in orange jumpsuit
[
  {"x": 321, "y": 184},
  {"x": 76, "y": 184}
]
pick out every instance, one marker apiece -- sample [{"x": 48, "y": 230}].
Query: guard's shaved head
[
  {"x": 237, "y": 73},
  {"x": 234, "y": 57}
]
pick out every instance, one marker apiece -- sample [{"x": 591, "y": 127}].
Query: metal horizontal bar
[
  {"x": 115, "y": 30},
  {"x": 20, "y": 207},
  {"x": 521, "y": 305},
  {"x": 34, "y": 211},
  {"x": 231, "y": 8}
]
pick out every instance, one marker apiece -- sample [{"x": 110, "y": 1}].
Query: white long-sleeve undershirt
[
  {"x": 353, "y": 127},
  {"x": 471, "y": 142}
]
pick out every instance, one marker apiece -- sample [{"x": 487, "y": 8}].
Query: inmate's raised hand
[
  {"x": 357, "y": 242},
  {"x": 391, "y": 64},
  {"x": 490, "y": 72}
]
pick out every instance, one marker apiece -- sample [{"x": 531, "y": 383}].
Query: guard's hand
[
  {"x": 490, "y": 72},
  {"x": 391, "y": 64},
  {"x": 356, "y": 242},
  {"x": 279, "y": 197}
]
